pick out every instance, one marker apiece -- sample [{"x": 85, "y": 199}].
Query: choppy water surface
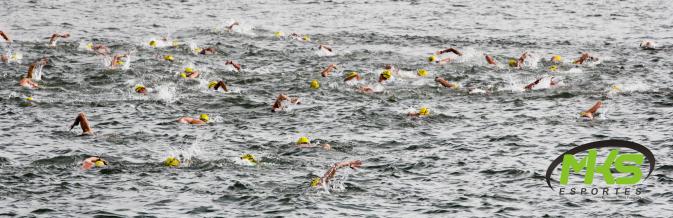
[{"x": 475, "y": 155}]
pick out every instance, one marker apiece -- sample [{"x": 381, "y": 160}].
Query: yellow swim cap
[
  {"x": 423, "y": 111},
  {"x": 183, "y": 75},
  {"x": 197, "y": 50},
  {"x": 212, "y": 84},
  {"x": 315, "y": 84},
  {"x": 99, "y": 163},
  {"x": 17, "y": 56},
  {"x": 175, "y": 43},
  {"x": 139, "y": 87},
  {"x": 168, "y": 57},
  {"x": 89, "y": 45},
  {"x": 315, "y": 182},
  {"x": 303, "y": 140},
  {"x": 204, "y": 117},
  {"x": 307, "y": 38},
  {"x": 29, "y": 99},
  {"x": 556, "y": 58},
  {"x": 553, "y": 68},
  {"x": 120, "y": 63},
  {"x": 278, "y": 34},
  {"x": 250, "y": 158},
  {"x": 188, "y": 70},
  {"x": 386, "y": 74},
  {"x": 432, "y": 58},
  {"x": 512, "y": 62},
  {"x": 153, "y": 43},
  {"x": 422, "y": 72},
  {"x": 616, "y": 88},
  {"x": 583, "y": 113},
  {"x": 171, "y": 162},
  {"x": 352, "y": 75}
]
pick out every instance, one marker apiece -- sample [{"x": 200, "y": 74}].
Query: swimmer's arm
[
  {"x": 327, "y": 71},
  {"x": 4, "y": 36},
  {"x": 235, "y": 65},
  {"x": 522, "y": 58},
  {"x": 595, "y": 108},
  {"x": 489, "y": 59},
  {"x": 530, "y": 86},
  {"x": 230, "y": 27},
  {"x": 221, "y": 84},
  {"x": 31, "y": 68},
  {"x": 332, "y": 171},
  {"x": 455, "y": 51}
]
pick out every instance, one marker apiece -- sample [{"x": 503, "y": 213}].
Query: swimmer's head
[
  {"x": 307, "y": 38},
  {"x": 17, "y": 56},
  {"x": 175, "y": 43},
  {"x": 303, "y": 140},
  {"x": 168, "y": 57},
  {"x": 556, "y": 58},
  {"x": 386, "y": 74},
  {"x": 120, "y": 63},
  {"x": 423, "y": 111},
  {"x": 351, "y": 75},
  {"x": 29, "y": 99},
  {"x": 204, "y": 117},
  {"x": 140, "y": 88},
  {"x": 512, "y": 62},
  {"x": 89, "y": 45},
  {"x": 212, "y": 84},
  {"x": 432, "y": 58},
  {"x": 616, "y": 88},
  {"x": 315, "y": 182},
  {"x": 183, "y": 75},
  {"x": 583, "y": 113},
  {"x": 250, "y": 158},
  {"x": 553, "y": 68},
  {"x": 278, "y": 34},
  {"x": 171, "y": 162},
  {"x": 315, "y": 84},
  {"x": 422, "y": 72},
  {"x": 100, "y": 163},
  {"x": 189, "y": 70},
  {"x": 198, "y": 50},
  {"x": 153, "y": 43}
]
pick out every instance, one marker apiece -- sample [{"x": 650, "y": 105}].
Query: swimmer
[
  {"x": 490, "y": 60},
  {"x": 189, "y": 73},
  {"x": 585, "y": 56},
  {"x": 592, "y": 111},
  {"x": 83, "y": 123},
  {"x": 327, "y": 71},
  {"x": 303, "y": 142},
  {"x": 92, "y": 162},
  {"x": 556, "y": 59},
  {"x": 99, "y": 49},
  {"x": 116, "y": 61},
  {"x": 278, "y": 104},
  {"x": 27, "y": 80},
  {"x": 230, "y": 28},
  {"x": 446, "y": 60},
  {"x": 298, "y": 37},
  {"x": 208, "y": 51},
  {"x": 54, "y": 38},
  {"x": 647, "y": 45},
  {"x": 169, "y": 58},
  {"x": 365, "y": 89},
  {"x": 233, "y": 64},
  {"x": 518, "y": 63},
  {"x": 445, "y": 83},
  {"x": 329, "y": 175},
  {"x": 352, "y": 76},
  {"x": 422, "y": 112},
  {"x": 385, "y": 75},
  {"x": 4, "y": 36},
  {"x": 203, "y": 119},
  {"x": 216, "y": 85}
]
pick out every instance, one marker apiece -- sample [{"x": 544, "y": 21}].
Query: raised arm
[
  {"x": 83, "y": 122},
  {"x": 279, "y": 100},
  {"x": 595, "y": 108},
  {"x": 489, "y": 59},
  {"x": 221, "y": 84},
  {"x": 522, "y": 58},
  {"x": 234, "y": 64},
  {"x": 531, "y": 85},
  {"x": 231, "y": 27},
  {"x": 321, "y": 46},
  {"x": 327, "y": 71},
  {"x": 332, "y": 171},
  {"x": 455, "y": 51},
  {"x": 585, "y": 56},
  {"x": 4, "y": 36}
]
